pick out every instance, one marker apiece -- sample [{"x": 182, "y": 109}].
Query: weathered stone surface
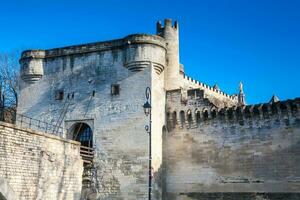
[
  {"x": 222, "y": 155},
  {"x": 35, "y": 165},
  {"x": 205, "y": 145}
]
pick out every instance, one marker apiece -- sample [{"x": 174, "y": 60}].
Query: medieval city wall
[
  {"x": 249, "y": 152},
  {"x": 35, "y": 165}
]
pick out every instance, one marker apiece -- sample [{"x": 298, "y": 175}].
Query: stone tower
[
  {"x": 171, "y": 34},
  {"x": 32, "y": 65}
]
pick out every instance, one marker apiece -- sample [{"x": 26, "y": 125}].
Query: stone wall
[
  {"x": 216, "y": 96},
  {"x": 35, "y": 165},
  {"x": 207, "y": 147},
  {"x": 86, "y": 74},
  {"x": 238, "y": 153},
  {"x": 158, "y": 124}
]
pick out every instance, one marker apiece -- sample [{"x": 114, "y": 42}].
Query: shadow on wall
[
  {"x": 6, "y": 192},
  {"x": 63, "y": 185},
  {"x": 78, "y": 78},
  {"x": 77, "y": 89},
  {"x": 259, "y": 160}
]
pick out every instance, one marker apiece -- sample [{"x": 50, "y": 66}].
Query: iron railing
[{"x": 35, "y": 124}]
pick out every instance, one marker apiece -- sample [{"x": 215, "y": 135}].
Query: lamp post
[{"x": 147, "y": 110}]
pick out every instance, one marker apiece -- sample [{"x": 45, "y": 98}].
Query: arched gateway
[{"x": 83, "y": 133}]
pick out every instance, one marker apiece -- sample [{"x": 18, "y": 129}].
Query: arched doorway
[{"x": 83, "y": 133}]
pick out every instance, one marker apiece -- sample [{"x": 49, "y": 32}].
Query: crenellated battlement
[
  {"x": 167, "y": 24},
  {"x": 207, "y": 87},
  {"x": 193, "y": 118}
]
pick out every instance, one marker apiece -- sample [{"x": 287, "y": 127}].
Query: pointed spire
[
  {"x": 216, "y": 87},
  {"x": 241, "y": 87},
  {"x": 241, "y": 95},
  {"x": 274, "y": 99}
]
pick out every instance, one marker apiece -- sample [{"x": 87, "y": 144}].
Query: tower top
[{"x": 167, "y": 24}]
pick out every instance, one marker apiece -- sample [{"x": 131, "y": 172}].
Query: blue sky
[{"x": 221, "y": 41}]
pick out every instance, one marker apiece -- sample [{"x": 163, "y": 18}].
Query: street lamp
[{"x": 147, "y": 109}]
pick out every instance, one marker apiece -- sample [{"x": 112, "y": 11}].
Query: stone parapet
[
  {"x": 28, "y": 54},
  {"x": 207, "y": 87},
  {"x": 36, "y": 165},
  {"x": 96, "y": 46},
  {"x": 237, "y": 114}
]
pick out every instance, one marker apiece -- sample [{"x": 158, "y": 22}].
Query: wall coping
[{"x": 39, "y": 133}]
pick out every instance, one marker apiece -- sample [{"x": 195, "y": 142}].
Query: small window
[
  {"x": 59, "y": 95},
  {"x": 115, "y": 89}
]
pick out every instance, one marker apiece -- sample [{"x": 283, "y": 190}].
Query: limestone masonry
[
  {"x": 35, "y": 165},
  {"x": 206, "y": 144}
]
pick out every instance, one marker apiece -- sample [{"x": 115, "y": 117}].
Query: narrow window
[
  {"x": 205, "y": 115},
  {"x": 214, "y": 113},
  {"x": 182, "y": 118},
  {"x": 189, "y": 117},
  {"x": 115, "y": 89},
  {"x": 59, "y": 95},
  {"x": 174, "y": 119},
  {"x": 198, "y": 117}
]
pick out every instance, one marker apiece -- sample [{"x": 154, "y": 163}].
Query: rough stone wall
[
  {"x": 122, "y": 144},
  {"x": 158, "y": 124},
  {"x": 86, "y": 73},
  {"x": 118, "y": 121},
  {"x": 238, "y": 153},
  {"x": 39, "y": 166}
]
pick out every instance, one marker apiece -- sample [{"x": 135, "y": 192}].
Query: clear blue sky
[{"x": 221, "y": 41}]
